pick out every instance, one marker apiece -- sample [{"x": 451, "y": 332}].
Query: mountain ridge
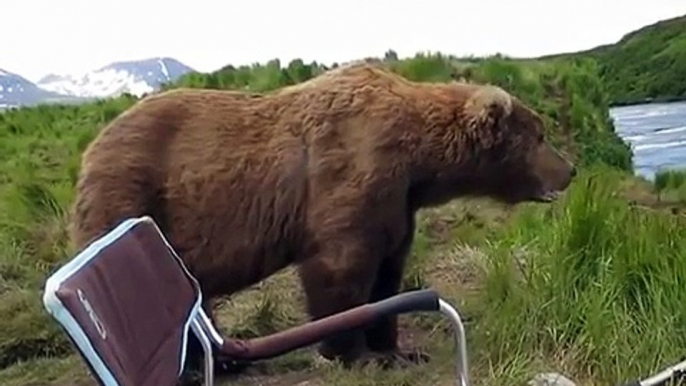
[
  {"x": 136, "y": 77},
  {"x": 16, "y": 91}
]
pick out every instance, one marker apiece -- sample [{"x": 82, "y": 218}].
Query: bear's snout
[{"x": 553, "y": 171}]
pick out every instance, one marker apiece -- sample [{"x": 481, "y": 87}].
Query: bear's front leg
[
  {"x": 382, "y": 336},
  {"x": 338, "y": 274}
]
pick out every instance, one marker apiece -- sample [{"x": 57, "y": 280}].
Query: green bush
[
  {"x": 255, "y": 78},
  {"x": 425, "y": 68}
]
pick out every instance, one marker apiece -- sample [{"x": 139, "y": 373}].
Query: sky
[{"x": 71, "y": 36}]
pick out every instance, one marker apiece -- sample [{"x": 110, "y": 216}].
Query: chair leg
[
  {"x": 460, "y": 339},
  {"x": 214, "y": 336},
  {"x": 207, "y": 348}
]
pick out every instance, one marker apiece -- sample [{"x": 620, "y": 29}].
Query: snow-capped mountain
[
  {"x": 135, "y": 77},
  {"x": 17, "y": 91}
]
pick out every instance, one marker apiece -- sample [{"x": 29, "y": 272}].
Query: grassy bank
[
  {"x": 574, "y": 286},
  {"x": 592, "y": 280}
]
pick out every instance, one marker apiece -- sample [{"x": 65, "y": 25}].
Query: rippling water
[{"x": 656, "y": 133}]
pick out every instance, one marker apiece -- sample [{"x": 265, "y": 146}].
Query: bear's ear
[{"x": 488, "y": 105}]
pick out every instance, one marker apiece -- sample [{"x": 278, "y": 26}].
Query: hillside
[
  {"x": 576, "y": 286},
  {"x": 645, "y": 65}
]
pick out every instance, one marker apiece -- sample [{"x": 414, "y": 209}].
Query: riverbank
[{"x": 647, "y": 101}]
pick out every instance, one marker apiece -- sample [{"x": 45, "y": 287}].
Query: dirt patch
[
  {"x": 456, "y": 269},
  {"x": 277, "y": 372},
  {"x": 84, "y": 382},
  {"x": 309, "y": 378}
]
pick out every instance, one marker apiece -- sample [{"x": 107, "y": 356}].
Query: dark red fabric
[{"x": 141, "y": 297}]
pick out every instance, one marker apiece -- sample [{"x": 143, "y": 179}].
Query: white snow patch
[
  {"x": 9, "y": 89},
  {"x": 2, "y": 88},
  {"x": 103, "y": 83},
  {"x": 165, "y": 71}
]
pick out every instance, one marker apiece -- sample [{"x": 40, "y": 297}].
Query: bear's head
[{"x": 513, "y": 159}]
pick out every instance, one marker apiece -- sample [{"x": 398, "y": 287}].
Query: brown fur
[{"x": 327, "y": 174}]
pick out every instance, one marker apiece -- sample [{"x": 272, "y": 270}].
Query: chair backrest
[{"x": 127, "y": 301}]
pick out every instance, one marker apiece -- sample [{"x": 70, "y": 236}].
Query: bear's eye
[{"x": 540, "y": 137}]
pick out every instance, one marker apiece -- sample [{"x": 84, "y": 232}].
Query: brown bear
[{"x": 327, "y": 175}]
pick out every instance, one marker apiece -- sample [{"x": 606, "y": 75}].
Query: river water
[{"x": 656, "y": 133}]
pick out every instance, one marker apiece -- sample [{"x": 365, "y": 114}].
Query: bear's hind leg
[{"x": 107, "y": 196}]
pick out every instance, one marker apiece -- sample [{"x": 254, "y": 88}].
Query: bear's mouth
[{"x": 549, "y": 196}]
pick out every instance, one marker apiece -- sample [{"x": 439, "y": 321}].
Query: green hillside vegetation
[
  {"x": 589, "y": 286},
  {"x": 646, "y": 65}
]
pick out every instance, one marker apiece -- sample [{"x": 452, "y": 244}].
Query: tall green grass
[
  {"x": 592, "y": 279},
  {"x": 40, "y": 149},
  {"x": 671, "y": 181}
]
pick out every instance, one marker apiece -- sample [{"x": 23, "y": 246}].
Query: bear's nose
[{"x": 573, "y": 172}]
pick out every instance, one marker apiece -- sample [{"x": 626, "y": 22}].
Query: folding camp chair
[{"x": 127, "y": 302}]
